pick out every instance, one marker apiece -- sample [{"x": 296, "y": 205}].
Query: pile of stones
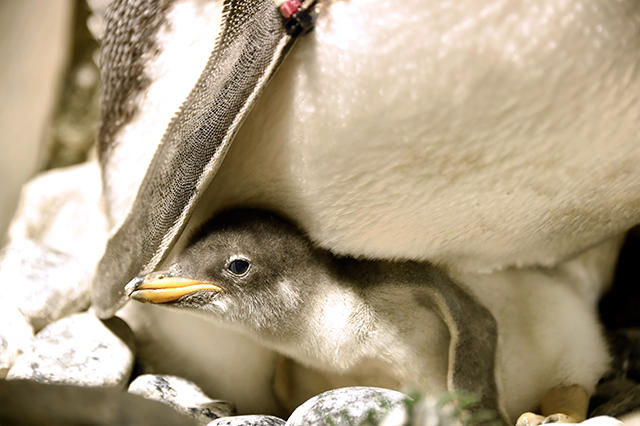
[
  {"x": 80, "y": 369},
  {"x": 81, "y": 365}
]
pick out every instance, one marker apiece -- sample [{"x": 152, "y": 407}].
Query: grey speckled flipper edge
[{"x": 251, "y": 45}]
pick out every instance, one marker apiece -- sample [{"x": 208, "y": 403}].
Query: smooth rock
[
  {"x": 44, "y": 283},
  {"x": 55, "y": 240},
  {"x": 56, "y": 237},
  {"x": 24, "y": 402},
  {"x": 398, "y": 416},
  {"x": 62, "y": 209},
  {"x": 252, "y": 420},
  {"x": 351, "y": 405},
  {"x": 182, "y": 395},
  {"x": 79, "y": 350},
  {"x": 601, "y": 421},
  {"x": 16, "y": 336}
]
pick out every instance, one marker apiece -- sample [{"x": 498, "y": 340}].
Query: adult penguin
[{"x": 479, "y": 138}]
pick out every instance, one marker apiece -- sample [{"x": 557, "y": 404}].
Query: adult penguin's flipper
[{"x": 251, "y": 44}]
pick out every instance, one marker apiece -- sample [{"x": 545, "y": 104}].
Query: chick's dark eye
[{"x": 238, "y": 266}]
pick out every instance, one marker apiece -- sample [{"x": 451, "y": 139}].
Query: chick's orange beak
[{"x": 160, "y": 288}]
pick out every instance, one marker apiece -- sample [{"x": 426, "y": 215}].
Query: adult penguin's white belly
[
  {"x": 479, "y": 136},
  {"x": 476, "y": 135}
]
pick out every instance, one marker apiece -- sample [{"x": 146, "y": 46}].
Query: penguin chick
[{"x": 257, "y": 273}]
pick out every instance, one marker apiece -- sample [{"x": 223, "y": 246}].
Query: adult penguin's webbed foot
[{"x": 563, "y": 404}]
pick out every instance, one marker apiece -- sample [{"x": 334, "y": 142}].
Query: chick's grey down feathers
[{"x": 278, "y": 252}]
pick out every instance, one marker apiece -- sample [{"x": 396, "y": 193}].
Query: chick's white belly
[{"x": 549, "y": 333}]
